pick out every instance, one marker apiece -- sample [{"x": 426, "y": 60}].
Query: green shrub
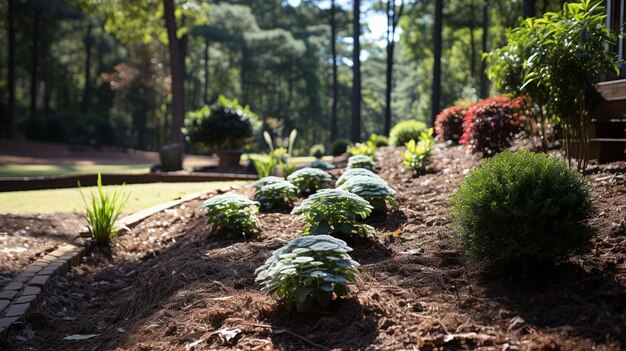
[
  {"x": 266, "y": 181},
  {"x": 417, "y": 155},
  {"x": 523, "y": 210},
  {"x": 339, "y": 147},
  {"x": 361, "y": 161},
  {"x": 231, "y": 214},
  {"x": 276, "y": 194},
  {"x": 375, "y": 190},
  {"x": 309, "y": 180},
  {"x": 321, "y": 165},
  {"x": 367, "y": 148},
  {"x": 317, "y": 150},
  {"x": 334, "y": 211},
  {"x": 353, "y": 172},
  {"x": 309, "y": 272},
  {"x": 404, "y": 131},
  {"x": 102, "y": 211},
  {"x": 379, "y": 140}
]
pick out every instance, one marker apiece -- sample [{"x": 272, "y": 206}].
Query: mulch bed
[{"x": 170, "y": 285}]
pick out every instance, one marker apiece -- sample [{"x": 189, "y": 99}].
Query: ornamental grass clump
[
  {"x": 309, "y": 180},
  {"x": 278, "y": 194},
  {"x": 231, "y": 214},
  {"x": 522, "y": 211},
  {"x": 361, "y": 161},
  {"x": 102, "y": 211},
  {"x": 354, "y": 172},
  {"x": 375, "y": 190},
  {"x": 309, "y": 272},
  {"x": 334, "y": 211}
]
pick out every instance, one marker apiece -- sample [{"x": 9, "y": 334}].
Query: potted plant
[{"x": 224, "y": 128}]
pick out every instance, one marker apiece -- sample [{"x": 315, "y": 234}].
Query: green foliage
[
  {"x": 309, "y": 180},
  {"x": 308, "y": 271},
  {"x": 361, "y": 161},
  {"x": 231, "y": 214},
  {"x": 321, "y": 165},
  {"x": 339, "y": 147},
  {"x": 334, "y": 211},
  {"x": 556, "y": 60},
  {"x": 102, "y": 211},
  {"x": 264, "y": 166},
  {"x": 276, "y": 194},
  {"x": 373, "y": 189},
  {"x": 417, "y": 155},
  {"x": 266, "y": 181},
  {"x": 404, "y": 131},
  {"x": 317, "y": 151},
  {"x": 225, "y": 125},
  {"x": 367, "y": 148},
  {"x": 287, "y": 167},
  {"x": 354, "y": 172},
  {"x": 379, "y": 140},
  {"x": 522, "y": 210}
]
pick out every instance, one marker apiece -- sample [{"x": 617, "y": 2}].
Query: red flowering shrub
[
  {"x": 490, "y": 125},
  {"x": 449, "y": 123}
]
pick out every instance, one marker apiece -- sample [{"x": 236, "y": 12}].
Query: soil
[{"x": 171, "y": 285}]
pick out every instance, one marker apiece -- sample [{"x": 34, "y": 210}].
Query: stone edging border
[{"x": 26, "y": 290}]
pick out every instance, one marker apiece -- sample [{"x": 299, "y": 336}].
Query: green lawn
[
  {"x": 69, "y": 200},
  {"x": 49, "y": 170}
]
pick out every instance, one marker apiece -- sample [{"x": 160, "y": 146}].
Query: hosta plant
[
  {"x": 309, "y": 272},
  {"x": 355, "y": 172},
  {"x": 374, "y": 190},
  {"x": 266, "y": 181},
  {"x": 277, "y": 194},
  {"x": 308, "y": 179},
  {"x": 334, "y": 211},
  {"x": 231, "y": 214},
  {"x": 361, "y": 161},
  {"x": 417, "y": 155}
]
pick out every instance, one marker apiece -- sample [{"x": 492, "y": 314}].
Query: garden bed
[{"x": 170, "y": 285}]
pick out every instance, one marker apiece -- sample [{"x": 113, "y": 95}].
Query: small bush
[
  {"x": 321, "y": 165},
  {"x": 339, "y": 147},
  {"x": 266, "y": 181},
  {"x": 354, "y": 172},
  {"x": 367, "y": 148},
  {"x": 375, "y": 190},
  {"x": 449, "y": 123},
  {"x": 309, "y": 272},
  {"x": 379, "y": 140},
  {"x": 361, "y": 161},
  {"x": 309, "y": 180},
  {"x": 417, "y": 155},
  {"x": 102, "y": 211},
  {"x": 404, "y": 131},
  {"x": 277, "y": 194},
  {"x": 317, "y": 151},
  {"x": 523, "y": 210},
  {"x": 491, "y": 125},
  {"x": 231, "y": 214},
  {"x": 333, "y": 211}
]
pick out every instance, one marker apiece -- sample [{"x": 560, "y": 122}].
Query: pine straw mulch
[{"x": 171, "y": 286}]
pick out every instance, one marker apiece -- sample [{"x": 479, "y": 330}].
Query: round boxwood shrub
[
  {"x": 404, "y": 131},
  {"x": 339, "y": 147},
  {"x": 523, "y": 210},
  {"x": 449, "y": 123}
]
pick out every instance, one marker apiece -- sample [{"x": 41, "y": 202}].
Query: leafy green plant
[
  {"x": 102, "y": 211},
  {"x": 317, "y": 151},
  {"x": 404, "y": 131},
  {"x": 375, "y": 190},
  {"x": 367, "y": 148},
  {"x": 339, "y": 147},
  {"x": 264, "y": 165},
  {"x": 379, "y": 140},
  {"x": 334, "y": 211},
  {"x": 354, "y": 172},
  {"x": 309, "y": 179},
  {"x": 417, "y": 155},
  {"x": 287, "y": 167},
  {"x": 231, "y": 214},
  {"x": 276, "y": 194},
  {"x": 309, "y": 272},
  {"x": 266, "y": 181},
  {"x": 321, "y": 165},
  {"x": 361, "y": 161},
  {"x": 523, "y": 210}
]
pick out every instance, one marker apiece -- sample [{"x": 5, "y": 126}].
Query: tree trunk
[
  {"x": 84, "y": 106},
  {"x": 436, "y": 94},
  {"x": 206, "y": 70},
  {"x": 10, "y": 116},
  {"x": 356, "y": 73},
  {"x": 529, "y": 8},
  {"x": 393, "y": 17},
  {"x": 484, "y": 83},
  {"x": 35, "y": 66},
  {"x": 177, "y": 63},
  {"x": 333, "y": 49},
  {"x": 472, "y": 42}
]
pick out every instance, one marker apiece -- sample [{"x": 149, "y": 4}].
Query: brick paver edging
[{"x": 26, "y": 290}]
